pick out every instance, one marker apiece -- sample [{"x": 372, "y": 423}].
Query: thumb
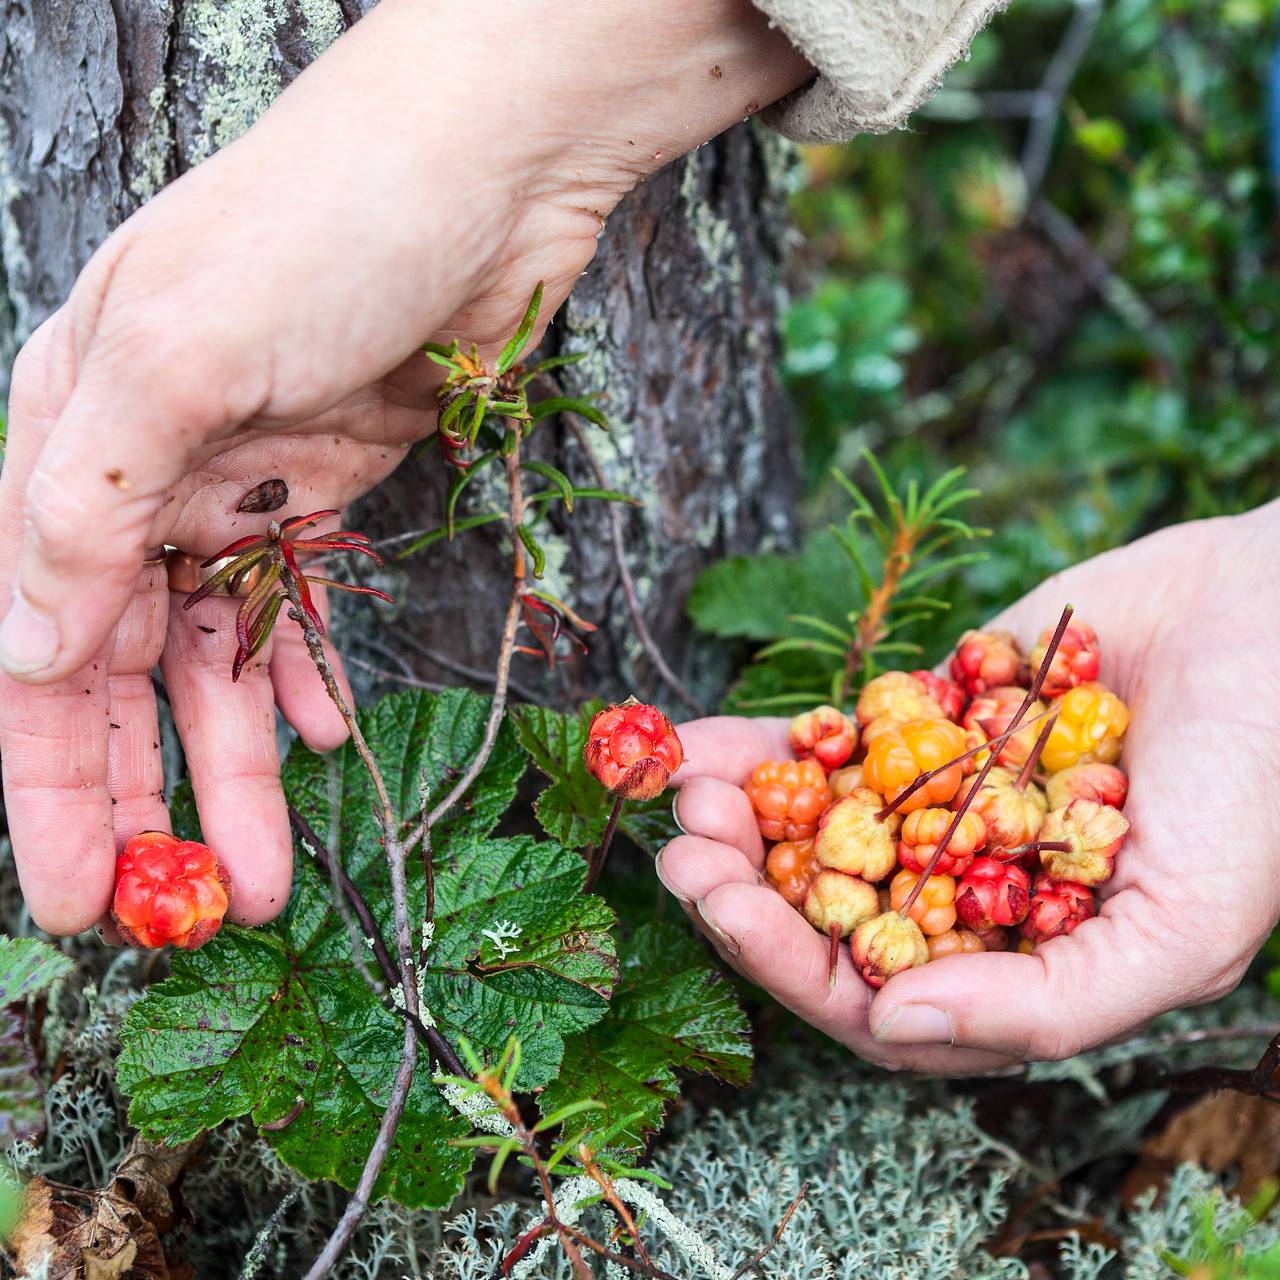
[
  {"x": 1071, "y": 994},
  {"x": 81, "y": 503}
]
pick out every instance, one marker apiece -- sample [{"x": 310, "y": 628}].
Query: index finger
[{"x": 729, "y": 747}]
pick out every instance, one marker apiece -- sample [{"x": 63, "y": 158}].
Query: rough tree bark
[{"x": 102, "y": 102}]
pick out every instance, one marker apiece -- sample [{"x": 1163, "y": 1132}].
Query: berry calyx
[
  {"x": 839, "y": 903},
  {"x": 792, "y": 867},
  {"x": 924, "y": 828},
  {"x": 1012, "y": 817},
  {"x": 986, "y": 659},
  {"x": 632, "y": 750},
  {"x": 954, "y": 942},
  {"x": 934, "y": 908},
  {"x": 788, "y": 796},
  {"x": 1076, "y": 662},
  {"x": 1090, "y": 726},
  {"x": 948, "y": 695},
  {"x": 1104, "y": 783},
  {"x": 826, "y": 735},
  {"x": 899, "y": 755},
  {"x": 852, "y": 837},
  {"x": 993, "y": 893},
  {"x": 168, "y": 892},
  {"x": 1092, "y": 834},
  {"x": 1057, "y": 907},
  {"x": 887, "y": 944}
]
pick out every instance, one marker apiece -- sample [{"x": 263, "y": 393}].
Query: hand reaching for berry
[
  {"x": 260, "y": 318},
  {"x": 1189, "y": 618}
]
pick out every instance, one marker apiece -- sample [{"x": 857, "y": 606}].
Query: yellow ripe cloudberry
[
  {"x": 845, "y": 781},
  {"x": 948, "y": 695},
  {"x": 993, "y": 893},
  {"x": 792, "y": 866},
  {"x": 168, "y": 892},
  {"x": 824, "y": 734},
  {"x": 1104, "y": 783},
  {"x": 887, "y": 944},
  {"x": 1091, "y": 834},
  {"x": 1012, "y": 817},
  {"x": 852, "y": 839},
  {"x": 896, "y": 698},
  {"x": 839, "y": 903},
  {"x": 955, "y": 942},
  {"x": 632, "y": 750},
  {"x": 900, "y": 755},
  {"x": 991, "y": 713},
  {"x": 1090, "y": 726},
  {"x": 1057, "y": 907},
  {"x": 986, "y": 659},
  {"x": 925, "y": 827},
  {"x": 934, "y": 910},
  {"x": 789, "y": 796},
  {"x": 1076, "y": 661}
]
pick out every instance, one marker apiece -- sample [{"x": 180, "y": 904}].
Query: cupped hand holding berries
[{"x": 1187, "y": 620}]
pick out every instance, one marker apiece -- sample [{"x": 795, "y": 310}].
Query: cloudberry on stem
[
  {"x": 789, "y": 796},
  {"x": 887, "y": 944},
  {"x": 168, "y": 891},
  {"x": 632, "y": 750},
  {"x": 985, "y": 659},
  {"x": 993, "y": 893},
  {"x": 1076, "y": 662},
  {"x": 826, "y": 735},
  {"x": 934, "y": 909},
  {"x": 792, "y": 866},
  {"x": 839, "y": 902},
  {"x": 1057, "y": 907},
  {"x": 1090, "y": 726},
  {"x": 1104, "y": 783},
  {"x": 924, "y": 828},
  {"x": 900, "y": 755},
  {"x": 852, "y": 837},
  {"x": 948, "y": 695},
  {"x": 1092, "y": 834}
]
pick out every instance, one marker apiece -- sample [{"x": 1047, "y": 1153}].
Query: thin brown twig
[
  {"x": 638, "y": 622},
  {"x": 595, "y": 863},
  {"x": 605, "y": 1183},
  {"x": 637, "y": 1265},
  {"x": 758, "y": 1257}
]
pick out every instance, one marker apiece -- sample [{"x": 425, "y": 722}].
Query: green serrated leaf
[
  {"x": 28, "y": 967},
  {"x": 672, "y": 1011}
]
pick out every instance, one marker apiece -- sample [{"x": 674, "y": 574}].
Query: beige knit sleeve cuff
[{"x": 877, "y": 60}]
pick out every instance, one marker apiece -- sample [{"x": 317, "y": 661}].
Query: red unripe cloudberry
[
  {"x": 948, "y": 695},
  {"x": 887, "y": 944},
  {"x": 991, "y": 713},
  {"x": 1057, "y": 906},
  {"x": 1104, "y": 783},
  {"x": 993, "y": 893},
  {"x": 168, "y": 892},
  {"x": 632, "y": 750},
  {"x": 986, "y": 659},
  {"x": 1076, "y": 661},
  {"x": 826, "y": 735}
]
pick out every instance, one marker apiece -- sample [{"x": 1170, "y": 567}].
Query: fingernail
[
  {"x": 915, "y": 1024},
  {"x": 675, "y": 813},
  {"x": 28, "y": 639},
  {"x": 667, "y": 885},
  {"x": 726, "y": 940}
]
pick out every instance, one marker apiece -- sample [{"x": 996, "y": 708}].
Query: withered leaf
[
  {"x": 21, "y": 1092},
  {"x": 270, "y": 495}
]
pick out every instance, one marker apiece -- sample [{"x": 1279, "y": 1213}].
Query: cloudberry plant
[
  {"x": 788, "y": 796},
  {"x": 168, "y": 892},
  {"x": 1076, "y": 662},
  {"x": 900, "y": 755},
  {"x": 1057, "y": 907},
  {"x": 632, "y": 750},
  {"x": 1080, "y": 842},
  {"x": 934, "y": 908},
  {"x": 986, "y": 659},
  {"x": 887, "y": 944},
  {"x": 1104, "y": 783},
  {"x": 924, "y": 828},
  {"x": 792, "y": 866},
  {"x": 826, "y": 735},
  {"x": 954, "y": 942},
  {"x": 853, "y": 838},
  {"x": 993, "y": 893},
  {"x": 948, "y": 695},
  {"x": 1090, "y": 726}
]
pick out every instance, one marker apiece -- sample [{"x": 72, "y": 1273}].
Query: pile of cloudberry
[{"x": 975, "y": 813}]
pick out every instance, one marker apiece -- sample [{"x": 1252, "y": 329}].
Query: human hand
[
  {"x": 1187, "y": 620},
  {"x": 260, "y": 318}
]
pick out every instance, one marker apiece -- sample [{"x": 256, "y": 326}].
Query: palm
[{"x": 1185, "y": 639}]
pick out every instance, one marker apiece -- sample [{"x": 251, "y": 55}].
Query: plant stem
[
  {"x": 596, "y": 865},
  {"x": 1029, "y": 768},
  {"x": 1029, "y": 701},
  {"x": 870, "y": 629}
]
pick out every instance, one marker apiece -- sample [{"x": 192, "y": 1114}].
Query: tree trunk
[{"x": 102, "y": 102}]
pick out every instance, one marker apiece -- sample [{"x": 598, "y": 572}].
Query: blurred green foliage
[{"x": 1099, "y": 349}]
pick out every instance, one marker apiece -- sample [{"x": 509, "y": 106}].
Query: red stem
[
  {"x": 1034, "y": 758},
  {"x": 597, "y": 862},
  {"x": 1032, "y": 694},
  {"x": 834, "y": 958}
]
